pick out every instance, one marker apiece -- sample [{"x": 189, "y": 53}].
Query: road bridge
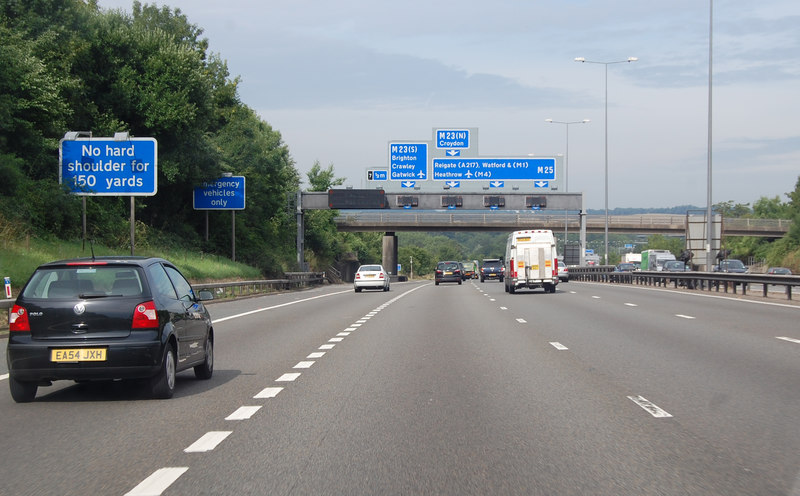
[{"x": 378, "y": 211}]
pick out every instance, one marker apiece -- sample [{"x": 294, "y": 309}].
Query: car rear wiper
[{"x": 86, "y": 296}]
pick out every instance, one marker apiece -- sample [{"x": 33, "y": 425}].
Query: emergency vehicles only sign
[{"x": 102, "y": 166}]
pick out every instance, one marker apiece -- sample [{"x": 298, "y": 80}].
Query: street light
[
  {"x": 566, "y": 172},
  {"x": 583, "y": 60}
]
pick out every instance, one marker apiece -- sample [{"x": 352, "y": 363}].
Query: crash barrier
[
  {"x": 709, "y": 281},
  {"x": 292, "y": 280},
  {"x": 225, "y": 290}
]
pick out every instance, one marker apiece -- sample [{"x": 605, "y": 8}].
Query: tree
[{"x": 323, "y": 180}]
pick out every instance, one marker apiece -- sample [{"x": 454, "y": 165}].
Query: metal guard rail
[
  {"x": 692, "y": 280},
  {"x": 235, "y": 289}
]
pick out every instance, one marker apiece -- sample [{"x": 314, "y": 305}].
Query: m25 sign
[{"x": 102, "y": 166}]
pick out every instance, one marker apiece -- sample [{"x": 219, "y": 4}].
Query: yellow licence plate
[
  {"x": 78, "y": 355},
  {"x": 369, "y": 275}
]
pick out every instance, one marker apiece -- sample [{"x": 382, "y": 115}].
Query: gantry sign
[{"x": 450, "y": 160}]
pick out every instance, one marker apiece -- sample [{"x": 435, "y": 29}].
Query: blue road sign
[
  {"x": 481, "y": 169},
  {"x": 408, "y": 161},
  {"x": 226, "y": 193},
  {"x": 452, "y": 138},
  {"x": 102, "y": 166},
  {"x": 378, "y": 175}
]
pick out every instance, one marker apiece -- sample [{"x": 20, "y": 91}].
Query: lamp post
[
  {"x": 606, "y": 64},
  {"x": 566, "y": 172}
]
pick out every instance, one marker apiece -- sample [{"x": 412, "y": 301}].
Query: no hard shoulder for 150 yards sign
[{"x": 102, "y": 166}]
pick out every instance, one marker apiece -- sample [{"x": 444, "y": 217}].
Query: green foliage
[
  {"x": 67, "y": 65},
  {"x": 323, "y": 180}
]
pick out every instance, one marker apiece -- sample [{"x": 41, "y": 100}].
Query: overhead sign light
[
  {"x": 407, "y": 201},
  {"x": 452, "y": 201},
  {"x": 536, "y": 202},
  {"x": 494, "y": 201}
]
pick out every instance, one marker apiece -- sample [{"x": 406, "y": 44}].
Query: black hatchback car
[
  {"x": 108, "y": 318},
  {"x": 449, "y": 271}
]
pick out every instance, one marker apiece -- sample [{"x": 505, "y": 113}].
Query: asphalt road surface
[{"x": 450, "y": 389}]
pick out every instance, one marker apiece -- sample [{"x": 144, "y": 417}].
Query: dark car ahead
[
  {"x": 676, "y": 266},
  {"x": 108, "y": 318},
  {"x": 448, "y": 272},
  {"x": 625, "y": 267},
  {"x": 492, "y": 268},
  {"x": 732, "y": 265}
]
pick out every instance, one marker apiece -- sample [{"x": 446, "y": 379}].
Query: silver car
[{"x": 371, "y": 277}]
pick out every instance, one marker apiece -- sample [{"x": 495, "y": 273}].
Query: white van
[{"x": 531, "y": 261}]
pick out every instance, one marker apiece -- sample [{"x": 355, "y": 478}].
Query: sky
[{"x": 340, "y": 80}]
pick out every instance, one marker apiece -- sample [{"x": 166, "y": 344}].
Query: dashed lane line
[
  {"x": 649, "y": 407},
  {"x": 157, "y": 482},
  {"x": 208, "y": 441},
  {"x": 243, "y": 413}
]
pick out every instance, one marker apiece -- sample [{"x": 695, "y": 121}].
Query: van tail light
[
  {"x": 555, "y": 266},
  {"x": 145, "y": 316},
  {"x": 513, "y": 268},
  {"x": 18, "y": 320}
]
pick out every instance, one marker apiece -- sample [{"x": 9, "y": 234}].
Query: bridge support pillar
[{"x": 389, "y": 259}]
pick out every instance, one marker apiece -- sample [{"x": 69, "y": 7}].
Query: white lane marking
[
  {"x": 492, "y": 299},
  {"x": 243, "y": 413},
  {"x": 326, "y": 347},
  {"x": 362, "y": 321},
  {"x": 372, "y": 314},
  {"x": 157, "y": 482},
  {"x": 355, "y": 325},
  {"x": 791, "y": 340},
  {"x": 679, "y": 315},
  {"x": 304, "y": 365},
  {"x": 522, "y": 321},
  {"x": 558, "y": 346},
  {"x": 208, "y": 441},
  {"x": 649, "y": 407},
  {"x": 288, "y": 377},
  {"x": 343, "y": 334},
  {"x": 631, "y": 305},
  {"x": 336, "y": 340},
  {"x": 596, "y": 297},
  {"x": 573, "y": 292},
  {"x": 350, "y": 329},
  {"x": 251, "y": 312},
  {"x": 503, "y": 308},
  {"x": 316, "y": 354},
  {"x": 269, "y": 392},
  {"x": 3, "y": 377}
]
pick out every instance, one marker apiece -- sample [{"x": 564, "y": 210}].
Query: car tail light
[
  {"x": 358, "y": 275},
  {"x": 145, "y": 316},
  {"x": 382, "y": 275},
  {"x": 18, "y": 320}
]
